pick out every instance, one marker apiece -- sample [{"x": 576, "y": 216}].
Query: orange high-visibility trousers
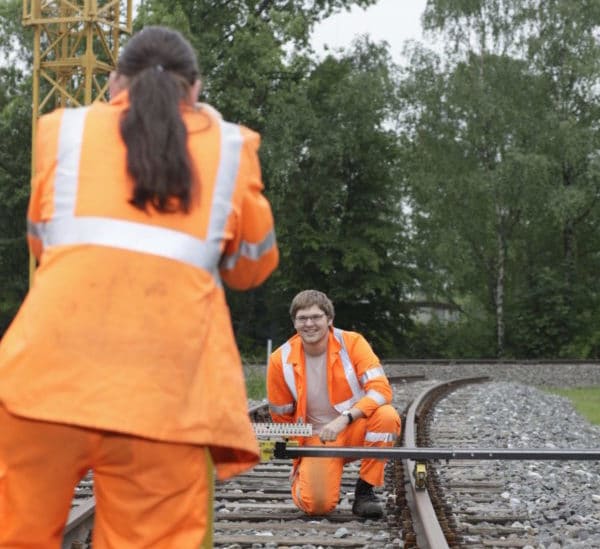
[
  {"x": 316, "y": 480},
  {"x": 149, "y": 494}
]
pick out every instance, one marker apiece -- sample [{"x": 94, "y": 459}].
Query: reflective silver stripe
[
  {"x": 376, "y": 396},
  {"x": 345, "y": 405},
  {"x": 132, "y": 236},
  {"x": 371, "y": 436},
  {"x": 231, "y": 145},
  {"x": 288, "y": 370},
  {"x": 284, "y": 409},
  {"x": 65, "y": 228},
  {"x": 372, "y": 373},
  {"x": 357, "y": 390},
  {"x": 298, "y": 499},
  {"x": 249, "y": 251},
  {"x": 33, "y": 229},
  {"x": 70, "y": 141}
]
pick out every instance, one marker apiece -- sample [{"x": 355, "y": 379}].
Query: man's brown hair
[{"x": 308, "y": 298}]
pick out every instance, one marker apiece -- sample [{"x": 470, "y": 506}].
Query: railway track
[
  {"x": 476, "y": 515},
  {"x": 256, "y": 510},
  {"x": 478, "y": 503},
  {"x": 480, "y": 514},
  {"x": 468, "y": 506},
  {"x": 498, "y": 503}
]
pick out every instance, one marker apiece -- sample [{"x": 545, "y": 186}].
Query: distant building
[{"x": 424, "y": 311}]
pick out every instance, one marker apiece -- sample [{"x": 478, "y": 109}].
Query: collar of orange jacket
[
  {"x": 194, "y": 123},
  {"x": 296, "y": 355}
]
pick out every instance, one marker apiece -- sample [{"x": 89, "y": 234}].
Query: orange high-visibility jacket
[
  {"x": 355, "y": 378},
  {"x": 126, "y": 326}
]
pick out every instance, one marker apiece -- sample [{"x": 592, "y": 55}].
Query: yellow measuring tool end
[
  {"x": 268, "y": 434},
  {"x": 267, "y": 448},
  {"x": 420, "y": 474}
]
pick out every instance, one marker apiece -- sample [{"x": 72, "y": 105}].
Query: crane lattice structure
[{"x": 76, "y": 45}]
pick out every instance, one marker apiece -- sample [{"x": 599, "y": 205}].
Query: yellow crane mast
[{"x": 76, "y": 44}]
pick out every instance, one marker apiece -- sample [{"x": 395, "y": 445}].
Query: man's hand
[{"x": 333, "y": 429}]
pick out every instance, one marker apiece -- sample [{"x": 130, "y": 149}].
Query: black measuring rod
[{"x": 282, "y": 451}]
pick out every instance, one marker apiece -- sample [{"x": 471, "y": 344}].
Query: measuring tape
[{"x": 282, "y": 429}]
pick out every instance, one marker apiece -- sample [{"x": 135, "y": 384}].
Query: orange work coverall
[
  {"x": 356, "y": 379},
  {"x": 125, "y": 334}
]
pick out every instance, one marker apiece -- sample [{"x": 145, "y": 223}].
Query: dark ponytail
[{"x": 161, "y": 66}]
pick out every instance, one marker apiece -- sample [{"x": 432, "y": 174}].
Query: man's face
[{"x": 311, "y": 324}]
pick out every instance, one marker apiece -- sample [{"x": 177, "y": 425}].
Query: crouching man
[{"x": 332, "y": 379}]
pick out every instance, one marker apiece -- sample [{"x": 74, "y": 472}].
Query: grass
[
  {"x": 586, "y": 401},
  {"x": 255, "y": 382}
]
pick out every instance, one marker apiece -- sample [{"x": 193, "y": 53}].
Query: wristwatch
[{"x": 348, "y": 414}]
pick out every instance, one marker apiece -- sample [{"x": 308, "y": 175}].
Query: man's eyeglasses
[{"x": 301, "y": 319}]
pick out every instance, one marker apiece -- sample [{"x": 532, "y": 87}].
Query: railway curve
[{"x": 265, "y": 521}]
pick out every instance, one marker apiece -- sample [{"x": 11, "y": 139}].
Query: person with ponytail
[{"x": 122, "y": 358}]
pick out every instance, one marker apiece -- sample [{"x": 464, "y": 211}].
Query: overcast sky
[{"x": 391, "y": 20}]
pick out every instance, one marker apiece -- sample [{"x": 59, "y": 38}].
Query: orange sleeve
[
  {"x": 370, "y": 374},
  {"x": 41, "y": 200},
  {"x": 252, "y": 254},
  {"x": 278, "y": 393}
]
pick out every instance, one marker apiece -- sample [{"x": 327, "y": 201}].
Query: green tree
[
  {"x": 329, "y": 159},
  {"x": 243, "y": 46},
  {"x": 567, "y": 52},
  {"x": 15, "y": 160},
  {"x": 332, "y": 160},
  {"x": 329, "y": 153},
  {"x": 532, "y": 127},
  {"x": 473, "y": 173}
]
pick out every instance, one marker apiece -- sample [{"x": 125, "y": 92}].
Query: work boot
[{"x": 366, "y": 504}]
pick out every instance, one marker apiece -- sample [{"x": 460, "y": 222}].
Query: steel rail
[
  {"x": 427, "y": 454},
  {"x": 431, "y": 527},
  {"x": 79, "y": 524},
  {"x": 498, "y": 361}
]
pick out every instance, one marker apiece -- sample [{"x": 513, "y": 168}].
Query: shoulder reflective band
[{"x": 66, "y": 228}]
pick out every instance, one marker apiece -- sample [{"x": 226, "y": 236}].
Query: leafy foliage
[
  {"x": 470, "y": 179},
  {"x": 339, "y": 199},
  {"x": 329, "y": 156},
  {"x": 15, "y": 160},
  {"x": 503, "y": 144}
]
